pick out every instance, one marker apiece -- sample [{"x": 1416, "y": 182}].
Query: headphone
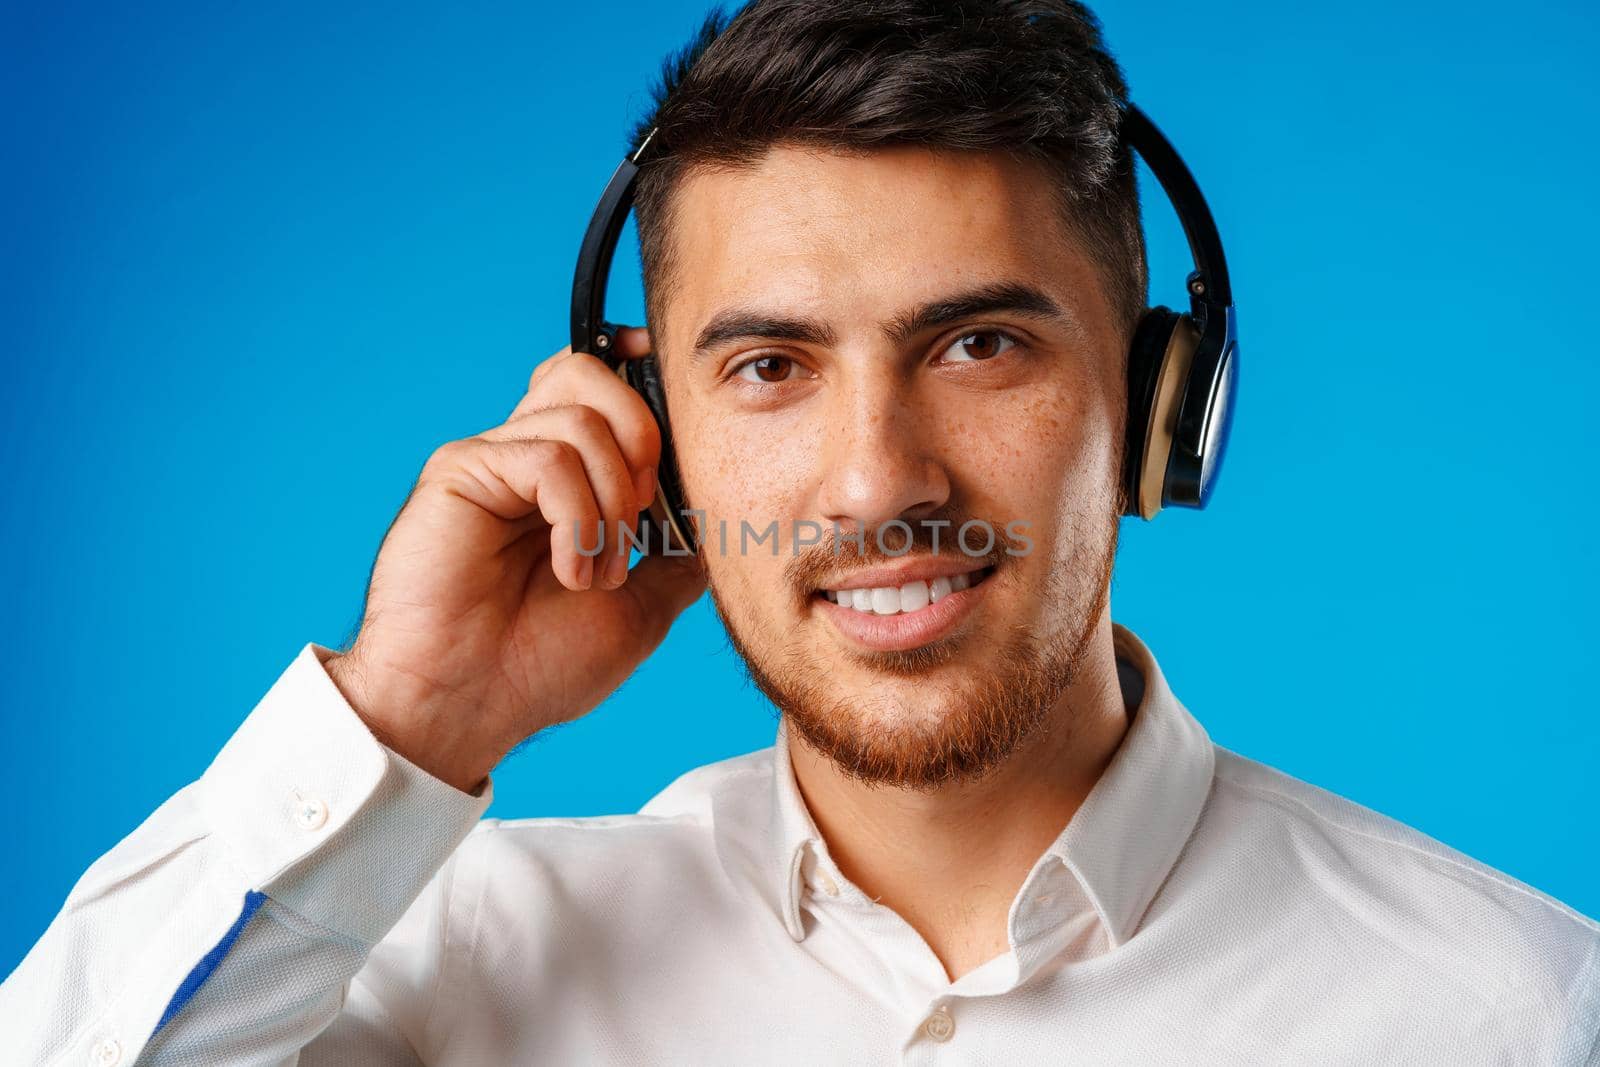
[{"x": 1182, "y": 367}]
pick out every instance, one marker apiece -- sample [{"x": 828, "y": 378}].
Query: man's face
[{"x": 898, "y": 335}]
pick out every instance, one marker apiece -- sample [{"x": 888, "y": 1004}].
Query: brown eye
[
  {"x": 769, "y": 370},
  {"x": 974, "y": 347}
]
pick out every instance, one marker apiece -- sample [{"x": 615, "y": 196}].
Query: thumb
[{"x": 664, "y": 587}]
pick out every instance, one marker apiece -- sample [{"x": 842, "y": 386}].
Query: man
[{"x": 893, "y": 263}]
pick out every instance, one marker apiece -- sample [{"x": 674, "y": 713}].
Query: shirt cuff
[{"x": 324, "y": 818}]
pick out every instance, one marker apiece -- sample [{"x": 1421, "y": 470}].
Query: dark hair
[{"x": 1027, "y": 77}]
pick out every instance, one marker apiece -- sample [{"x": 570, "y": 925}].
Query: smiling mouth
[{"x": 904, "y": 599}]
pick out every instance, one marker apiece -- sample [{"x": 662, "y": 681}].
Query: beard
[{"x": 958, "y": 728}]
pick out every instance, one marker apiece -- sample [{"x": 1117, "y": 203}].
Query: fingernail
[
  {"x": 585, "y": 572},
  {"x": 645, "y": 486},
  {"x": 616, "y": 571}
]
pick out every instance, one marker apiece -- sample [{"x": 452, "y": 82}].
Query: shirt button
[
  {"x": 940, "y": 1025},
  {"x": 310, "y": 813},
  {"x": 827, "y": 884},
  {"x": 107, "y": 1053}
]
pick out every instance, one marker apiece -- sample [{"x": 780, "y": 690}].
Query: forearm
[{"x": 228, "y": 926}]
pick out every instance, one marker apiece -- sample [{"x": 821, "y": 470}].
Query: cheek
[
  {"x": 1039, "y": 457},
  {"x": 744, "y": 471},
  {"x": 737, "y": 468}
]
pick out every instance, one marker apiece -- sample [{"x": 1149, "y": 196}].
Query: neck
[{"x": 950, "y": 862}]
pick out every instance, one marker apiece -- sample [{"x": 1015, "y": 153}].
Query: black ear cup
[
  {"x": 644, "y": 375},
  {"x": 1159, "y": 361}
]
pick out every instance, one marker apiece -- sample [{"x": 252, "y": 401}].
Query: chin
[
  {"x": 887, "y": 720},
  {"x": 942, "y": 693},
  {"x": 899, "y": 733}
]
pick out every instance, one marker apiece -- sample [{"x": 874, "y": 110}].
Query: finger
[
  {"x": 542, "y": 368},
  {"x": 633, "y": 342},
  {"x": 512, "y": 479},
  {"x": 609, "y": 476},
  {"x": 546, "y": 365},
  {"x": 583, "y": 379}
]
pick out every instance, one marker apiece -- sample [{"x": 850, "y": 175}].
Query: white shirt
[{"x": 316, "y": 899}]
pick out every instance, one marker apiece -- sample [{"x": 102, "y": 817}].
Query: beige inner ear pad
[{"x": 1158, "y": 435}]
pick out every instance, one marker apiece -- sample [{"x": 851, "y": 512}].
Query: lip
[
  {"x": 921, "y": 569},
  {"x": 903, "y": 631}
]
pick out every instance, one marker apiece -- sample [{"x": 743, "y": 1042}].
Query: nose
[{"x": 880, "y": 459}]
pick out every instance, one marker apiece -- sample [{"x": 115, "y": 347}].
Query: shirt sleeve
[{"x": 230, "y": 925}]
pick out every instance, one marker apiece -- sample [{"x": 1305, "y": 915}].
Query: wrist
[{"x": 397, "y": 715}]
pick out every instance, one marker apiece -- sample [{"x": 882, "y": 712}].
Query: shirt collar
[
  {"x": 792, "y": 832},
  {"x": 1120, "y": 845}
]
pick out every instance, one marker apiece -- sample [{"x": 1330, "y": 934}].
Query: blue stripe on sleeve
[{"x": 208, "y": 963}]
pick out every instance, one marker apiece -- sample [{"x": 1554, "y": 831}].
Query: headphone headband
[
  {"x": 590, "y": 332},
  {"x": 1209, "y": 282},
  {"x": 1208, "y": 285}
]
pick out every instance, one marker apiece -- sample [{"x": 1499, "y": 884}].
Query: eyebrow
[{"x": 746, "y": 324}]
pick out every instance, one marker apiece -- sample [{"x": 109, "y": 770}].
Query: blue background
[{"x": 257, "y": 262}]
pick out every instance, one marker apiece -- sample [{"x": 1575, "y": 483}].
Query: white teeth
[
  {"x": 890, "y": 600},
  {"x": 913, "y": 596}
]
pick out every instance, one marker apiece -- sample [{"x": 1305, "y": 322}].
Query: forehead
[{"x": 845, "y": 235}]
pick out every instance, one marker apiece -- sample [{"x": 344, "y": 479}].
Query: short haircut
[{"x": 1031, "y": 78}]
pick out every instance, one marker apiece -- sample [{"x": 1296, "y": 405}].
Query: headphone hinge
[{"x": 1199, "y": 301}]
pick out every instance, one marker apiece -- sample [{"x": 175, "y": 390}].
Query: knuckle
[
  {"x": 557, "y": 453},
  {"x": 644, "y": 436},
  {"x": 445, "y": 456},
  {"x": 585, "y": 420},
  {"x": 539, "y": 381},
  {"x": 564, "y": 365},
  {"x": 639, "y": 425},
  {"x": 585, "y": 363},
  {"x": 543, "y": 369}
]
